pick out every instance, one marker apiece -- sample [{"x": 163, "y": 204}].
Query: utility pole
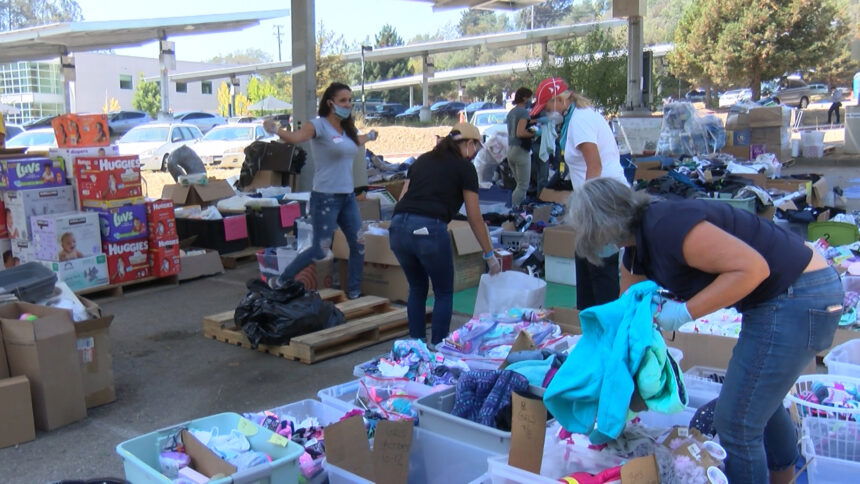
[
  {"x": 278, "y": 35},
  {"x": 364, "y": 48}
]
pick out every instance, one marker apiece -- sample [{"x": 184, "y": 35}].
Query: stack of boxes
[
  {"x": 163, "y": 238},
  {"x": 761, "y": 130}
]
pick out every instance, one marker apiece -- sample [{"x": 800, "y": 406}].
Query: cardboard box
[
  {"x": 108, "y": 178},
  {"x": 31, "y": 173},
  {"x": 44, "y": 350},
  {"x": 708, "y": 350},
  {"x": 267, "y": 178},
  {"x": 65, "y": 236},
  {"x": 383, "y": 275},
  {"x": 347, "y": 447},
  {"x": 82, "y": 273},
  {"x": 165, "y": 261},
  {"x": 94, "y": 353},
  {"x": 567, "y": 319},
  {"x": 203, "y": 195},
  {"x": 649, "y": 170},
  {"x": 79, "y": 130},
  {"x": 67, "y": 156},
  {"x": 740, "y": 137},
  {"x": 127, "y": 261},
  {"x": 769, "y": 116},
  {"x": 778, "y": 136},
  {"x": 161, "y": 220},
  {"x": 559, "y": 241},
  {"x": 738, "y": 121},
  {"x": 16, "y": 411},
  {"x": 23, "y": 251},
  {"x": 370, "y": 209},
  {"x": 122, "y": 223},
  {"x": 561, "y": 270},
  {"x": 788, "y": 185},
  {"x": 207, "y": 263},
  {"x": 556, "y": 196},
  {"x": 739, "y": 152},
  {"x": 4, "y": 365}
]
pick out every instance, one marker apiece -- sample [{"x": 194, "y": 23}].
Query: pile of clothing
[
  {"x": 412, "y": 360},
  {"x": 230, "y": 445},
  {"x": 723, "y": 322},
  {"x": 831, "y": 394},
  {"x": 846, "y": 260}
]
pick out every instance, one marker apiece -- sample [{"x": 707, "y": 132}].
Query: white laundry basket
[{"x": 844, "y": 359}]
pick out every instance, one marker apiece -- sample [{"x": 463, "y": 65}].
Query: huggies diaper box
[
  {"x": 161, "y": 219},
  {"x": 24, "y": 173},
  {"x": 65, "y": 236},
  {"x": 81, "y": 273},
  {"x": 127, "y": 261},
  {"x": 67, "y": 156},
  {"x": 165, "y": 261},
  {"x": 23, "y": 204},
  {"x": 122, "y": 223},
  {"x": 108, "y": 178}
]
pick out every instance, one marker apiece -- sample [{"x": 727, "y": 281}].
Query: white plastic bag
[{"x": 509, "y": 289}]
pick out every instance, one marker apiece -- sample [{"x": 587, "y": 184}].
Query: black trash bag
[{"x": 274, "y": 316}]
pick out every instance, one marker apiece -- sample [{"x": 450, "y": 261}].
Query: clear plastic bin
[
  {"x": 434, "y": 414},
  {"x": 303, "y": 409},
  {"x": 844, "y": 359},
  {"x": 340, "y": 397},
  {"x": 665, "y": 420},
  {"x": 700, "y": 386},
  {"x": 832, "y": 449},
  {"x": 433, "y": 459},
  {"x": 140, "y": 454}
]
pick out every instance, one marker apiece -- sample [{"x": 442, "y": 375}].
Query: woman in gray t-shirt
[{"x": 334, "y": 142}]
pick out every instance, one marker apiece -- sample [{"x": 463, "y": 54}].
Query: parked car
[
  {"x": 385, "y": 112},
  {"x": 204, "y": 121},
  {"x": 154, "y": 142},
  {"x": 224, "y": 145},
  {"x": 470, "y": 109},
  {"x": 44, "y": 122},
  {"x": 12, "y": 130},
  {"x": 120, "y": 122},
  {"x": 818, "y": 88},
  {"x": 730, "y": 98},
  {"x": 793, "y": 92},
  {"x": 283, "y": 120},
  {"x": 446, "y": 109},
  {"x": 695, "y": 96},
  {"x": 241, "y": 119},
  {"x": 489, "y": 121},
  {"x": 39, "y": 139},
  {"x": 409, "y": 114}
]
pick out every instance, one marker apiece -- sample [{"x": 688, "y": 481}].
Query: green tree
[
  {"x": 260, "y": 88},
  {"x": 147, "y": 96},
  {"x": 329, "y": 56},
  {"x": 727, "y": 43},
  {"x": 393, "y": 69},
  {"x": 476, "y": 22},
  {"x": 246, "y": 56},
  {"x": 547, "y": 14},
  {"x": 18, "y": 14},
  {"x": 662, "y": 20}
]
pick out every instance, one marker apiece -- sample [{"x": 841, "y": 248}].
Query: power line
[{"x": 278, "y": 35}]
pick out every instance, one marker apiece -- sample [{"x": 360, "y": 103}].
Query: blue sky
[{"x": 356, "y": 20}]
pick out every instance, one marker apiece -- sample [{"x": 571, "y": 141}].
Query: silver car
[
  {"x": 793, "y": 92},
  {"x": 204, "y": 121},
  {"x": 154, "y": 142},
  {"x": 730, "y": 98}
]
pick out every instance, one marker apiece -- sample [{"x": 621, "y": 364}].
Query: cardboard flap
[
  {"x": 347, "y": 447},
  {"x": 204, "y": 460},
  {"x": 51, "y": 322},
  {"x": 641, "y": 470},
  {"x": 214, "y": 190},
  {"x": 527, "y": 433},
  {"x": 524, "y": 342},
  {"x": 465, "y": 241},
  {"x": 95, "y": 324},
  {"x": 560, "y": 241},
  {"x": 176, "y": 193},
  {"x": 391, "y": 446}
]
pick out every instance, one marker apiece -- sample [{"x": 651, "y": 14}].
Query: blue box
[{"x": 122, "y": 223}]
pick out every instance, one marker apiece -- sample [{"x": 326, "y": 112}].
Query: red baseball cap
[{"x": 546, "y": 90}]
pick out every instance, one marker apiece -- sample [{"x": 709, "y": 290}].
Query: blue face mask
[
  {"x": 341, "y": 112},
  {"x": 608, "y": 250}
]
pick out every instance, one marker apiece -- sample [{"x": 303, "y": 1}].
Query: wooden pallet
[
  {"x": 231, "y": 260},
  {"x": 116, "y": 290},
  {"x": 370, "y": 320}
]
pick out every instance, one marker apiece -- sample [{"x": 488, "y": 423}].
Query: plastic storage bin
[
  {"x": 844, "y": 359},
  {"x": 515, "y": 240},
  {"x": 702, "y": 386},
  {"x": 140, "y": 454},
  {"x": 212, "y": 234},
  {"x": 577, "y": 459},
  {"x": 832, "y": 449},
  {"x": 434, "y": 414},
  {"x": 340, "y": 397},
  {"x": 265, "y": 227},
  {"x": 324, "y": 413},
  {"x": 30, "y": 282},
  {"x": 806, "y": 409},
  {"x": 835, "y": 233},
  {"x": 665, "y": 420},
  {"x": 747, "y": 204},
  {"x": 433, "y": 459}
]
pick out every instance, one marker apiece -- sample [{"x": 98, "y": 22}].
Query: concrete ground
[{"x": 166, "y": 372}]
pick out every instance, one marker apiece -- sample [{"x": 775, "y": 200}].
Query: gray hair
[{"x": 603, "y": 212}]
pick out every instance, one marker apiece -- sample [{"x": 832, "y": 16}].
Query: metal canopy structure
[
  {"x": 54, "y": 40},
  {"x": 232, "y": 71},
  {"x": 481, "y": 4}
]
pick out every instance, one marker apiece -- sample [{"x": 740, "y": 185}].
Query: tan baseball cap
[{"x": 465, "y": 131}]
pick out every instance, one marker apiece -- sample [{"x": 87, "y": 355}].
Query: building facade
[{"x": 36, "y": 88}]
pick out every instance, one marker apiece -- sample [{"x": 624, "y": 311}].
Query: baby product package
[
  {"x": 31, "y": 172},
  {"x": 161, "y": 220},
  {"x": 122, "y": 223},
  {"x": 23, "y": 250},
  {"x": 127, "y": 261},
  {"x": 81, "y": 130},
  {"x": 81, "y": 273},
  {"x": 67, "y": 156},
  {"x": 108, "y": 178},
  {"x": 23, "y": 204},
  {"x": 165, "y": 261},
  {"x": 66, "y": 236}
]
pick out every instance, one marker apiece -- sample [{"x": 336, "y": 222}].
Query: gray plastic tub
[
  {"x": 30, "y": 282},
  {"x": 434, "y": 414}
]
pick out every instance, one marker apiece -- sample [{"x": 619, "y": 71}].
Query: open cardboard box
[
  {"x": 94, "y": 352},
  {"x": 560, "y": 197},
  {"x": 198, "y": 265},
  {"x": 347, "y": 447},
  {"x": 16, "y": 411},
  {"x": 203, "y": 195}
]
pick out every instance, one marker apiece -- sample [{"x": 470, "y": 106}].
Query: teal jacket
[{"x": 620, "y": 351}]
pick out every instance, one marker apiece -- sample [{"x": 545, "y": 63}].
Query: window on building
[
  {"x": 181, "y": 87},
  {"x": 125, "y": 81},
  {"x": 206, "y": 87}
]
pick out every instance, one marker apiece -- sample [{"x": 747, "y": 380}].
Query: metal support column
[
  {"x": 411, "y": 96},
  {"x": 303, "y": 30},
  {"x": 634, "y": 63},
  {"x": 167, "y": 62},
  {"x": 544, "y": 51},
  {"x": 426, "y": 74},
  {"x": 67, "y": 64}
]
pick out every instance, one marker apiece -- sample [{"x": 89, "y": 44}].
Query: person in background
[
  {"x": 184, "y": 161},
  {"x": 270, "y": 126},
  {"x": 587, "y": 146},
  {"x": 437, "y": 185},
  {"x": 836, "y": 104},
  {"x": 520, "y": 144},
  {"x": 2, "y": 132},
  {"x": 711, "y": 256},
  {"x": 334, "y": 141}
]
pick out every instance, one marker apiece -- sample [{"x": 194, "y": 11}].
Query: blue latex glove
[{"x": 671, "y": 315}]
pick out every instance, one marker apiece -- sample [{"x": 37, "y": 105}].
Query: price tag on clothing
[
  {"x": 278, "y": 439},
  {"x": 337, "y": 140},
  {"x": 247, "y": 428}
]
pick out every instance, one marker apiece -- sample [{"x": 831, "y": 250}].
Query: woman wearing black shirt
[{"x": 438, "y": 184}]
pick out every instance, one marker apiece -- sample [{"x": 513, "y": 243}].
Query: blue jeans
[
  {"x": 422, "y": 257},
  {"x": 778, "y": 338},
  {"x": 328, "y": 211}
]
